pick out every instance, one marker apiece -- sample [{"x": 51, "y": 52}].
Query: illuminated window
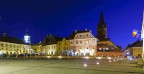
[
  {"x": 106, "y": 48},
  {"x": 87, "y": 41},
  {"x": 99, "y": 48}
]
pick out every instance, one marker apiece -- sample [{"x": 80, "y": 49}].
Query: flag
[{"x": 135, "y": 32}]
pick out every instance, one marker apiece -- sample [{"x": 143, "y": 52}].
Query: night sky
[{"x": 62, "y": 17}]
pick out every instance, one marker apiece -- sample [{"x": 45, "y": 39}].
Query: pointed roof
[
  {"x": 101, "y": 21},
  {"x": 138, "y": 43},
  {"x": 51, "y": 39}
]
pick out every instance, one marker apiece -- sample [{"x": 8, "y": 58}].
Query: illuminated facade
[
  {"x": 82, "y": 43},
  {"x": 135, "y": 49},
  {"x": 49, "y": 45},
  {"x": 63, "y": 46},
  {"x": 10, "y": 45},
  {"x": 105, "y": 46}
]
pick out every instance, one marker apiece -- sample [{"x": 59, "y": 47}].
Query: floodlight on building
[
  {"x": 87, "y": 57},
  {"x": 48, "y": 56},
  {"x": 108, "y": 57},
  {"x": 98, "y": 57},
  {"x": 60, "y": 56}
]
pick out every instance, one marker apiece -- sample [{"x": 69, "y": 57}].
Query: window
[
  {"x": 80, "y": 36},
  {"x": 80, "y": 42},
  {"x": 139, "y": 50},
  {"x": 87, "y": 35},
  {"x": 93, "y": 41},
  {"x": 106, "y": 48},
  {"x": 99, "y": 48},
  {"x": 76, "y": 42}
]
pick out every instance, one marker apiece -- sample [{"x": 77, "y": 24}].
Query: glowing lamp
[
  {"x": 85, "y": 65},
  {"x": 97, "y": 63},
  {"x": 48, "y": 56}
]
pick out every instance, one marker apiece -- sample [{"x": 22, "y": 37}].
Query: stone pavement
[{"x": 68, "y": 66}]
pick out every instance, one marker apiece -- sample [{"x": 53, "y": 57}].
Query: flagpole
[{"x": 142, "y": 36}]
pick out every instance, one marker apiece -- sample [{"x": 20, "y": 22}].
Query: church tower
[
  {"x": 101, "y": 28},
  {"x": 27, "y": 38}
]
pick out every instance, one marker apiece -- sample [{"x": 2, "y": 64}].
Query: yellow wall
[
  {"x": 11, "y": 48},
  {"x": 137, "y": 51},
  {"x": 36, "y": 48},
  {"x": 63, "y": 45}
]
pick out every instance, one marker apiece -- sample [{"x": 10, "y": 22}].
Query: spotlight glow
[
  {"x": 87, "y": 57},
  {"x": 108, "y": 57},
  {"x": 85, "y": 65},
  {"x": 48, "y": 56},
  {"x": 60, "y": 56},
  {"x": 97, "y": 63},
  {"x": 114, "y": 60},
  {"x": 98, "y": 57}
]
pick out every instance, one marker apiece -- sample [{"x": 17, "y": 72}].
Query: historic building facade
[
  {"x": 49, "y": 45},
  {"x": 10, "y": 45},
  {"x": 82, "y": 43},
  {"x": 63, "y": 46},
  {"x": 105, "y": 46},
  {"x": 135, "y": 49}
]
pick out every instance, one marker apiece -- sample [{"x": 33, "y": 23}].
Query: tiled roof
[
  {"x": 74, "y": 33},
  {"x": 11, "y": 40},
  {"x": 51, "y": 39},
  {"x": 138, "y": 43}
]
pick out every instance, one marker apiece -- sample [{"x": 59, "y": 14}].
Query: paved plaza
[{"x": 68, "y": 66}]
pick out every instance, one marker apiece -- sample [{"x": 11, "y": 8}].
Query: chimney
[
  {"x": 90, "y": 31},
  {"x": 85, "y": 29},
  {"x": 4, "y": 34},
  {"x": 75, "y": 31}
]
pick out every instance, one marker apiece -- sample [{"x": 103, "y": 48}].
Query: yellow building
[
  {"x": 49, "y": 45},
  {"x": 37, "y": 48},
  {"x": 135, "y": 49},
  {"x": 10, "y": 45},
  {"x": 63, "y": 46}
]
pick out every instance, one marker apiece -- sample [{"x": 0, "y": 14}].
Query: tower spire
[{"x": 101, "y": 21}]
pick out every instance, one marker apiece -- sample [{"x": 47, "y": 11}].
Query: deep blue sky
[{"x": 62, "y": 17}]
